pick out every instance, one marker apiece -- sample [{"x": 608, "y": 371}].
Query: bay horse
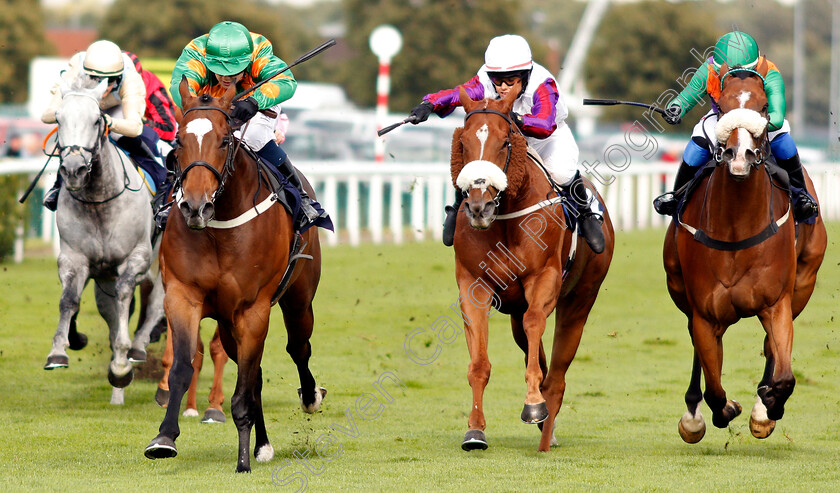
[
  {"x": 104, "y": 220},
  {"x": 216, "y": 264},
  {"x": 735, "y": 252},
  {"x": 515, "y": 253}
]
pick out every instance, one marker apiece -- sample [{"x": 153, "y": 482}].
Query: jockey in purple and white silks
[{"x": 540, "y": 113}]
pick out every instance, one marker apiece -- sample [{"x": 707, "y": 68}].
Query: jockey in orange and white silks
[
  {"x": 123, "y": 106},
  {"x": 540, "y": 113}
]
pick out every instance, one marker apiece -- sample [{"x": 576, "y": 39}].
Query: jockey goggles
[{"x": 509, "y": 80}]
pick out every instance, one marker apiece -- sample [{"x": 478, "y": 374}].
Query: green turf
[{"x": 617, "y": 428}]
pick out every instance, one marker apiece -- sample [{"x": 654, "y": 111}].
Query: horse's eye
[{"x": 225, "y": 142}]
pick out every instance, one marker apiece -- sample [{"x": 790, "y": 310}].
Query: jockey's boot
[
  {"x": 804, "y": 206},
  {"x": 451, "y": 217},
  {"x": 160, "y": 208},
  {"x": 289, "y": 172},
  {"x": 590, "y": 222},
  {"x": 51, "y": 197},
  {"x": 666, "y": 204}
]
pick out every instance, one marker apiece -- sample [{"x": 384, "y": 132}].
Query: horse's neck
[
  {"x": 107, "y": 177},
  {"x": 240, "y": 188},
  {"x": 534, "y": 189}
]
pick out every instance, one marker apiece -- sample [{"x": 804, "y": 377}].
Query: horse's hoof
[
  {"x": 136, "y": 355},
  {"x": 120, "y": 381},
  {"x": 161, "y": 448},
  {"x": 692, "y": 427},
  {"x": 241, "y": 468},
  {"x": 534, "y": 413},
  {"x": 729, "y": 412},
  {"x": 314, "y": 406},
  {"x": 78, "y": 342},
  {"x": 760, "y": 425},
  {"x": 474, "y": 440},
  {"x": 162, "y": 397},
  {"x": 213, "y": 416},
  {"x": 57, "y": 361}
]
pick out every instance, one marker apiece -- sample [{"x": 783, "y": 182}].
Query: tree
[
  {"x": 642, "y": 49},
  {"x": 443, "y": 44},
  {"x": 21, "y": 39}
]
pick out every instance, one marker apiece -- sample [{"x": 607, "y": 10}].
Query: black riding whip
[
  {"x": 410, "y": 119},
  {"x": 306, "y": 56},
  {"x": 610, "y": 102}
]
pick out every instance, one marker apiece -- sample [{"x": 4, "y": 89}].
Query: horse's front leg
[
  {"x": 251, "y": 327},
  {"x": 73, "y": 273},
  {"x": 183, "y": 312},
  {"x": 541, "y": 293},
  {"x": 778, "y": 323},
  {"x": 475, "y": 308},
  {"x": 708, "y": 345}
]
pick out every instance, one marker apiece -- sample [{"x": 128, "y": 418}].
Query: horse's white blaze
[
  {"x": 743, "y": 98},
  {"x": 265, "y": 453},
  {"x": 739, "y": 165},
  {"x": 482, "y": 134},
  {"x": 481, "y": 174},
  {"x": 199, "y": 127}
]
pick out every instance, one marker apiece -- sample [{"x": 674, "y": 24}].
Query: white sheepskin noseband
[
  {"x": 750, "y": 120},
  {"x": 481, "y": 174}
]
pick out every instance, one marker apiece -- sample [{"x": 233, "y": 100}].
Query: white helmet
[
  {"x": 103, "y": 59},
  {"x": 508, "y": 53}
]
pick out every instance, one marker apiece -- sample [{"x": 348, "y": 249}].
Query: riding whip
[
  {"x": 306, "y": 56},
  {"x": 610, "y": 102},
  {"x": 50, "y": 155},
  {"x": 387, "y": 129}
]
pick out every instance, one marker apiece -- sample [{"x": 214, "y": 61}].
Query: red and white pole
[{"x": 385, "y": 42}]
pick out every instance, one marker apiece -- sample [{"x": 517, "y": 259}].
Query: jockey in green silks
[{"x": 736, "y": 49}]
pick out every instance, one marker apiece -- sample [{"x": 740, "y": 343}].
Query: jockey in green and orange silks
[
  {"x": 230, "y": 54},
  {"x": 737, "y": 50}
]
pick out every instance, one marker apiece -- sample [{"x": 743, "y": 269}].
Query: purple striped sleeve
[
  {"x": 542, "y": 121},
  {"x": 447, "y": 100}
]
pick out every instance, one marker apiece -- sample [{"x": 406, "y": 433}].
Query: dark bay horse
[
  {"x": 231, "y": 274},
  {"x": 735, "y": 253},
  {"x": 515, "y": 253}
]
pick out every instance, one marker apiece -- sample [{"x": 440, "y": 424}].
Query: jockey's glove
[
  {"x": 244, "y": 109},
  {"x": 109, "y": 122},
  {"x": 517, "y": 119},
  {"x": 421, "y": 112},
  {"x": 672, "y": 114}
]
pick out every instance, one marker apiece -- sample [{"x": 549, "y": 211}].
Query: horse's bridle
[
  {"x": 509, "y": 145},
  {"x": 227, "y": 169},
  {"x": 92, "y": 151},
  {"x": 760, "y": 152}
]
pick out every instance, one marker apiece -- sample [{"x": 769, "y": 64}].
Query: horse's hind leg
[
  {"x": 522, "y": 341},
  {"x": 152, "y": 314},
  {"x": 215, "y": 413},
  {"x": 299, "y": 324},
  {"x": 760, "y": 425},
  {"x": 692, "y": 426},
  {"x": 73, "y": 273},
  {"x": 778, "y": 323},
  {"x": 112, "y": 300},
  {"x": 191, "y": 409},
  {"x": 708, "y": 346}
]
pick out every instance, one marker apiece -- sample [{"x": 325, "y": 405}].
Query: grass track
[{"x": 617, "y": 428}]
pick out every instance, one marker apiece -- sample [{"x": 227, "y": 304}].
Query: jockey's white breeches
[{"x": 559, "y": 153}]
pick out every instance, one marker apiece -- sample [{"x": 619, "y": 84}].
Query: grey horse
[{"x": 105, "y": 223}]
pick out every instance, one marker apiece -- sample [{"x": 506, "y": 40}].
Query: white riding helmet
[
  {"x": 103, "y": 59},
  {"x": 508, "y": 53}
]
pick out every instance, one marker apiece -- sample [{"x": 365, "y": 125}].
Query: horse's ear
[
  {"x": 456, "y": 159},
  {"x": 507, "y": 102},
  {"x": 227, "y": 97},
  {"x": 100, "y": 89},
  {"x": 762, "y": 67},
  {"x": 187, "y": 99},
  {"x": 466, "y": 101}
]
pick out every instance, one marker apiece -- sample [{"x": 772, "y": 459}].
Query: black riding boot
[
  {"x": 805, "y": 207},
  {"x": 289, "y": 172},
  {"x": 159, "y": 205},
  {"x": 590, "y": 222},
  {"x": 451, "y": 217},
  {"x": 666, "y": 204},
  {"x": 51, "y": 197}
]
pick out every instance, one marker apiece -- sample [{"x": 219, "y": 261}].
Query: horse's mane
[{"x": 517, "y": 169}]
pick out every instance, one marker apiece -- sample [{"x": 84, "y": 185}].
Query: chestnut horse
[
  {"x": 515, "y": 253},
  {"x": 734, "y": 253},
  {"x": 224, "y": 256}
]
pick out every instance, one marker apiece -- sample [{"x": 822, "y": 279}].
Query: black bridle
[
  {"x": 512, "y": 128},
  {"x": 227, "y": 169},
  {"x": 761, "y": 150}
]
